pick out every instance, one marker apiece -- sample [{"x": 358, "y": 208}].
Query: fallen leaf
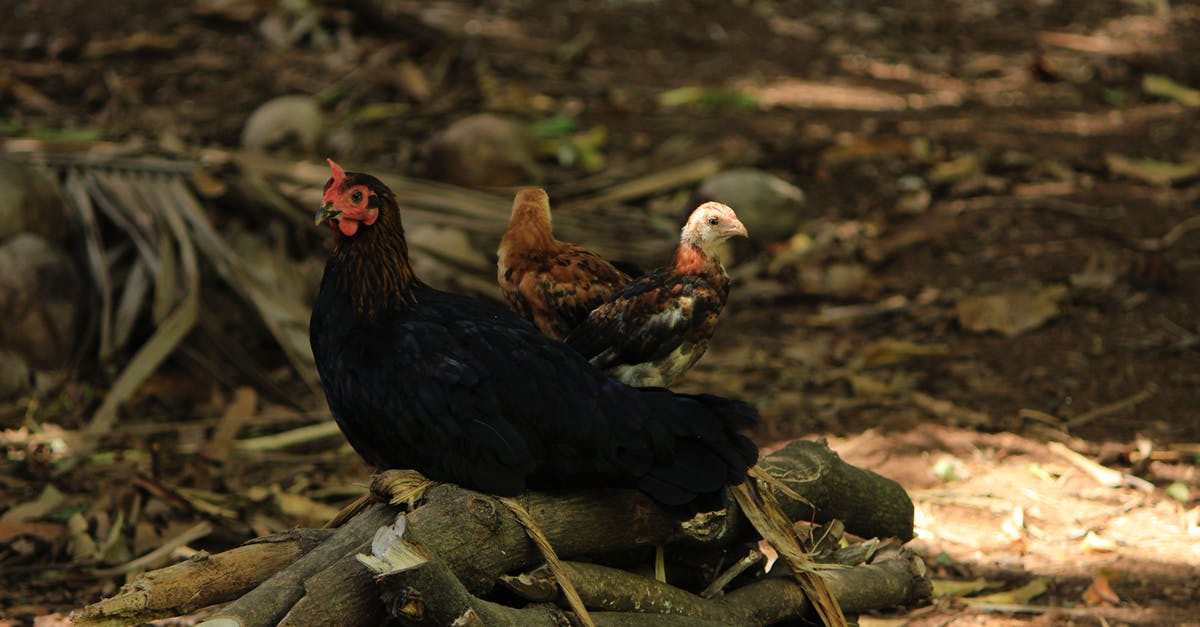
[
  {"x": 949, "y": 411},
  {"x": 955, "y": 171},
  {"x": 83, "y": 547},
  {"x": 1179, "y": 491},
  {"x": 47, "y": 531},
  {"x": 769, "y": 552},
  {"x": 1093, "y": 543},
  {"x": 304, "y": 507},
  {"x": 1010, "y": 313},
  {"x": 888, "y": 352},
  {"x": 953, "y": 588},
  {"x": 46, "y": 502},
  {"x": 240, "y": 409},
  {"x": 413, "y": 81},
  {"x": 706, "y": 97},
  {"x": 1018, "y": 596},
  {"x": 1152, "y": 171},
  {"x": 950, "y": 469},
  {"x": 141, "y": 42},
  {"x": 1014, "y": 525},
  {"x": 1158, "y": 85},
  {"x": 1100, "y": 593}
]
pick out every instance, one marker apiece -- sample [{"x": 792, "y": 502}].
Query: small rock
[
  {"x": 29, "y": 201},
  {"x": 282, "y": 123},
  {"x": 39, "y": 301},
  {"x": 483, "y": 150},
  {"x": 769, "y": 206}
]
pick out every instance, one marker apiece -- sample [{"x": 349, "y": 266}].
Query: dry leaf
[
  {"x": 1093, "y": 543},
  {"x": 1154, "y": 172},
  {"x": 46, "y": 502},
  {"x": 1158, "y": 85},
  {"x": 1010, "y": 313},
  {"x": 47, "y": 531},
  {"x": 889, "y": 352},
  {"x": 952, "y": 588},
  {"x": 304, "y": 507},
  {"x": 1018, "y": 596},
  {"x": 768, "y": 552},
  {"x": 1014, "y": 525},
  {"x": 1100, "y": 593}
]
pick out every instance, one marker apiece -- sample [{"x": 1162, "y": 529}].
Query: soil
[{"x": 947, "y": 152}]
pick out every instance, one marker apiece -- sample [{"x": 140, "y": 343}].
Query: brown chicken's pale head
[
  {"x": 710, "y": 224},
  {"x": 349, "y": 202}
]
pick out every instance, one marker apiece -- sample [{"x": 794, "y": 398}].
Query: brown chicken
[
  {"x": 551, "y": 283},
  {"x": 654, "y": 329}
]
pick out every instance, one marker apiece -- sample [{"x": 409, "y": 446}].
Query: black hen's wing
[{"x": 467, "y": 392}]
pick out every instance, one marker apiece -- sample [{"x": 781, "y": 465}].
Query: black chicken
[{"x": 464, "y": 391}]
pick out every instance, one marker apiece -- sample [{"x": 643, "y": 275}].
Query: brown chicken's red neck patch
[{"x": 690, "y": 259}]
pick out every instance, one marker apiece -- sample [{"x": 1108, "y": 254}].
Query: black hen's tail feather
[{"x": 709, "y": 451}]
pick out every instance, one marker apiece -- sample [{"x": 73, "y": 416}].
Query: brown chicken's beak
[
  {"x": 737, "y": 228},
  {"x": 326, "y": 212}
]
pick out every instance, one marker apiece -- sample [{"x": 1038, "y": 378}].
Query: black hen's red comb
[{"x": 339, "y": 174}]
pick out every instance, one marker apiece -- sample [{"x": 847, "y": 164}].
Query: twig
[
  {"x": 1102, "y": 474},
  {"x": 284, "y": 439},
  {"x": 1179, "y": 230},
  {"x": 762, "y": 510},
  {"x": 670, "y": 178},
  {"x": 739, "y": 567},
  {"x": 552, "y": 561},
  {"x": 193, "y": 533},
  {"x": 1142, "y": 396}
]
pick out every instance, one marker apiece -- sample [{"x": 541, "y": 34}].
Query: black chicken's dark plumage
[{"x": 465, "y": 391}]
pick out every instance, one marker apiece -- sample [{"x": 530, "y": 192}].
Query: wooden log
[
  {"x": 201, "y": 581},
  {"x": 334, "y": 595},
  {"x": 267, "y": 604}
]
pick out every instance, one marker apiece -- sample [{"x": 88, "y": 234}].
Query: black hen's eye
[
  {"x": 713, "y": 221},
  {"x": 356, "y": 196}
]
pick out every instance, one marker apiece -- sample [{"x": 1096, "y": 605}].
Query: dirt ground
[{"x": 991, "y": 296}]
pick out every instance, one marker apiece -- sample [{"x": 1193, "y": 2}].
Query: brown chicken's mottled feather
[
  {"x": 654, "y": 329},
  {"x": 551, "y": 283}
]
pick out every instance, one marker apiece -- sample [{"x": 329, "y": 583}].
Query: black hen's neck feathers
[{"x": 372, "y": 266}]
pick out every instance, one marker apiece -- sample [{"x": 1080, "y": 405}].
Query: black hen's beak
[{"x": 326, "y": 212}]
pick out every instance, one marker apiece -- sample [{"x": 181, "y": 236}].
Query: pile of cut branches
[{"x": 459, "y": 557}]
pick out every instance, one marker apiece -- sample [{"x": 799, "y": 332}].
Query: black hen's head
[{"x": 353, "y": 201}]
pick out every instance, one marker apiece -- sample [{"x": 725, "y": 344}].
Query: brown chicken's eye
[
  {"x": 356, "y": 196},
  {"x": 713, "y": 220}
]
